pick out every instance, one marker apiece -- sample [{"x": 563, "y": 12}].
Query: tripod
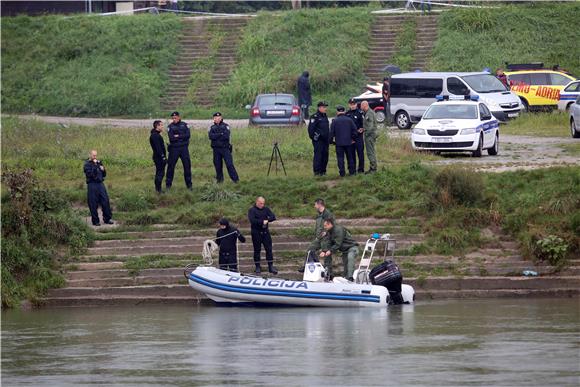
[{"x": 275, "y": 156}]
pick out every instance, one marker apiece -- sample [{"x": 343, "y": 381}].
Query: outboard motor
[{"x": 387, "y": 274}]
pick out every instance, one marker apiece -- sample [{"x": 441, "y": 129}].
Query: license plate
[
  {"x": 512, "y": 115},
  {"x": 275, "y": 112},
  {"x": 441, "y": 139}
]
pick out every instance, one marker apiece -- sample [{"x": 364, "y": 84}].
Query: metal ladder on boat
[{"x": 364, "y": 267}]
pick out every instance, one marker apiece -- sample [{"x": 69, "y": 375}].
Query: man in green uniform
[
  {"x": 322, "y": 213},
  {"x": 338, "y": 239},
  {"x": 370, "y": 130}
]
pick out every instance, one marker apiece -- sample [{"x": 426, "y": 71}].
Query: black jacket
[
  {"x": 219, "y": 135},
  {"x": 357, "y": 116},
  {"x": 303, "y": 87},
  {"x": 157, "y": 145},
  {"x": 181, "y": 129},
  {"x": 318, "y": 128},
  {"x": 386, "y": 90},
  {"x": 228, "y": 244},
  {"x": 93, "y": 173},
  {"x": 343, "y": 130},
  {"x": 256, "y": 216}
]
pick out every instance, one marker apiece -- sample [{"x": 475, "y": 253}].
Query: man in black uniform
[
  {"x": 219, "y": 134},
  {"x": 359, "y": 142},
  {"x": 319, "y": 131},
  {"x": 178, "y": 132},
  {"x": 342, "y": 134},
  {"x": 159, "y": 155},
  {"x": 226, "y": 238},
  {"x": 96, "y": 192},
  {"x": 260, "y": 217},
  {"x": 304, "y": 96},
  {"x": 387, "y": 101}
]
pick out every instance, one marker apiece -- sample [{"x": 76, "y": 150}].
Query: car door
[{"x": 488, "y": 124}]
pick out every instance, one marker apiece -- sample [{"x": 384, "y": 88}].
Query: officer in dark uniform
[
  {"x": 96, "y": 192},
  {"x": 359, "y": 146},
  {"x": 304, "y": 95},
  {"x": 219, "y": 134},
  {"x": 178, "y": 133},
  {"x": 342, "y": 134},
  {"x": 386, "y": 91},
  {"x": 226, "y": 238},
  {"x": 319, "y": 131},
  {"x": 260, "y": 217},
  {"x": 159, "y": 155}
]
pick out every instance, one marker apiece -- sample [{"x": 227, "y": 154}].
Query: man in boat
[
  {"x": 260, "y": 217},
  {"x": 339, "y": 239},
  {"x": 226, "y": 238}
]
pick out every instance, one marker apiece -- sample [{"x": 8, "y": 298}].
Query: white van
[{"x": 413, "y": 93}]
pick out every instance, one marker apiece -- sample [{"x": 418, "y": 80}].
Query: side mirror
[
  {"x": 248, "y": 107},
  {"x": 485, "y": 118}
]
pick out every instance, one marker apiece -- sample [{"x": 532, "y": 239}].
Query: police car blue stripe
[
  {"x": 569, "y": 97},
  {"x": 282, "y": 293}
]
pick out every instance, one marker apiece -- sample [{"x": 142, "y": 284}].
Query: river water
[{"x": 502, "y": 342}]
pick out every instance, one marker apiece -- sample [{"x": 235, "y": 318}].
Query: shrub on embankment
[
  {"x": 86, "y": 65},
  {"x": 38, "y": 228},
  {"x": 332, "y": 44},
  {"x": 474, "y": 38}
]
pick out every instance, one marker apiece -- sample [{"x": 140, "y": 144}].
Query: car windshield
[
  {"x": 457, "y": 112},
  {"x": 276, "y": 100},
  {"x": 484, "y": 83}
]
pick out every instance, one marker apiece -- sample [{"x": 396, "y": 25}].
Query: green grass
[
  {"x": 555, "y": 124},
  {"x": 472, "y": 39},
  {"x": 405, "y": 45},
  {"x": 87, "y": 66},
  {"x": 275, "y": 49}
]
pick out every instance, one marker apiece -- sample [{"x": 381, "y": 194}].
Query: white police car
[{"x": 457, "y": 124}]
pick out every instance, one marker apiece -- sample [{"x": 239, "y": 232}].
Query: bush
[
  {"x": 216, "y": 193},
  {"x": 134, "y": 201},
  {"x": 458, "y": 186},
  {"x": 552, "y": 249},
  {"x": 35, "y": 222}
]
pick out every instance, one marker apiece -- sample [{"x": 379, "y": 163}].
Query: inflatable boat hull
[{"x": 230, "y": 287}]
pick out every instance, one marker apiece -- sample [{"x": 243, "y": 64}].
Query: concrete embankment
[{"x": 146, "y": 267}]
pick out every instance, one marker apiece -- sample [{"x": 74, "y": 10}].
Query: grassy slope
[
  {"x": 529, "y": 205},
  {"x": 275, "y": 50},
  {"x": 95, "y": 66},
  {"x": 472, "y": 39}
]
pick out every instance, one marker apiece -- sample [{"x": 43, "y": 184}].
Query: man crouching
[{"x": 338, "y": 239}]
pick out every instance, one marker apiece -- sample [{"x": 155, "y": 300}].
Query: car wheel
[
  {"x": 403, "y": 121},
  {"x": 478, "y": 152},
  {"x": 525, "y": 106},
  {"x": 494, "y": 150},
  {"x": 573, "y": 130},
  {"x": 380, "y": 116}
]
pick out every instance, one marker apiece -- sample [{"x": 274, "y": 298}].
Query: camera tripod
[{"x": 275, "y": 156}]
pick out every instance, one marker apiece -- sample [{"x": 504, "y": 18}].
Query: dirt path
[{"x": 516, "y": 152}]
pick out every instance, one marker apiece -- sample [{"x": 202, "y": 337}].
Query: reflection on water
[{"x": 491, "y": 342}]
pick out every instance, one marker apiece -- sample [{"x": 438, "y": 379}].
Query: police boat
[{"x": 378, "y": 287}]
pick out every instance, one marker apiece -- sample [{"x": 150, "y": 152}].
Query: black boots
[
  {"x": 271, "y": 268},
  {"x": 258, "y": 269}
]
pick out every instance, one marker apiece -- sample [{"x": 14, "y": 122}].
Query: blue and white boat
[{"x": 226, "y": 287}]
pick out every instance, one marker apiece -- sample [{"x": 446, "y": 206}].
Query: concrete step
[
  {"x": 422, "y": 295},
  {"x": 93, "y": 301},
  {"x": 183, "y": 290},
  {"x": 487, "y": 283}
]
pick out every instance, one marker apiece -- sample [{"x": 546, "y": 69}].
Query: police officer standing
[
  {"x": 159, "y": 154},
  {"x": 97, "y": 195},
  {"x": 226, "y": 238},
  {"x": 179, "y": 134},
  {"x": 359, "y": 146},
  {"x": 260, "y": 217},
  {"x": 304, "y": 95},
  {"x": 219, "y": 134},
  {"x": 386, "y": 91},
  {"x": 343, "y": 132},
  {"x": 319, "y": 132},
  {"x": 370, "y": 129}
]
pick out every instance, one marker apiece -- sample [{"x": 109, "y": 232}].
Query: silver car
[
  {"x": 575, "y": 118},
  {"x": 275, "y": 110}
]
